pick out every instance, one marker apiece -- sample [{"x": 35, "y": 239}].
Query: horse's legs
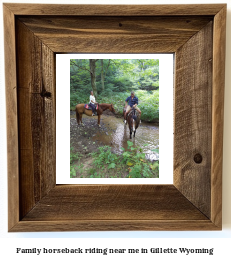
[
  {"x": 124, "y": 114},
  {"x": 99, "y": 120},
  {"x": 77, "y": 116},
  {"x": 81, "y": 119},
  {"x": 130, "y": 127},
  {"x": 134, "y": 132},
  {"x": 128, "y": 108}
]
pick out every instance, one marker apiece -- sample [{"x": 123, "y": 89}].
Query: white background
[
  {"x": 63, "y": 119},
  {"x": 220, "y": 240}
]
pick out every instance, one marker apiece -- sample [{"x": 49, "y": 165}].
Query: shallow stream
[{"x": 117, "y": 135}]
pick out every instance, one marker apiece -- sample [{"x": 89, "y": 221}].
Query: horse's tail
[{"x": 77, "y": 115}]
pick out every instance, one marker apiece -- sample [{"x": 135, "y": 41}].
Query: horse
[
  {"x": 79, "y": 109},
  {"x": 133, "y": 119}
]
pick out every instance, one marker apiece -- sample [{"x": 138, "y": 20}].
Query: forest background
[{"x": 112, "y": 81}]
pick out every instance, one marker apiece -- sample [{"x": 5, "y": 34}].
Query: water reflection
[{"x": 118, "y": 135}]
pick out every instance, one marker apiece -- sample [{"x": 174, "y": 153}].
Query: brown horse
[
  {"x": 133, "y": 119},
  {"x": 79, "y": 109}
]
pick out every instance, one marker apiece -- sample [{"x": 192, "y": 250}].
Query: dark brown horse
[
  {"x": 133, "y": 120},
  {"x": 79, "y": 109}
]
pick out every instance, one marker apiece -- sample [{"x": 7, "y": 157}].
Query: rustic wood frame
[{"x": 33, "y": 34}]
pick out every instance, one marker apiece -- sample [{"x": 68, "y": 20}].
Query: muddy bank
[{"x": 81, "y": 136}]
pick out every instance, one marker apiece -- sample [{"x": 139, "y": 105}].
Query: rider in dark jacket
[{"x": 131, "y": 101}]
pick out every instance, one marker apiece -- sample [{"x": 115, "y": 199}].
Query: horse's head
[{"x": 111, "y": 108}]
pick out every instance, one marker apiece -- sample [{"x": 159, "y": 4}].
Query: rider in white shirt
[{"x": 92, "y": 103}]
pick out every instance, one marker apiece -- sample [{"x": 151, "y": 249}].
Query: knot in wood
[{"x": 45, "y": 94}]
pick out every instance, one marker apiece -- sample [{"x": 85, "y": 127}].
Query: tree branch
[
  {"x": 107, "y": 67},
  {"x": 142, "y": 65},
  {"x": 115, "y": 63},
  {"x": 74, "y": 63}
]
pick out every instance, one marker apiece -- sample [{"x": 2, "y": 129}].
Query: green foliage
[
  {"x": 120, "y": 77},
  {"x": 95, "y": 175},
  {"x": 72, "y": 172},
  {"x": 139, "y": 167},
  {"x": 148, "y": 103},
  {"x": 132, "y": 162},
  {"x": 73, "y": 167},
  {"x": 76, "y": 169},
  {"x": 105, "y": 156},
  {"x": 74, "y": 156}
]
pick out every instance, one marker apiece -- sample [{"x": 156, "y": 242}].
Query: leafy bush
[
  {"x": 105, "y": 156},
  {"x": 148, "y": 103},
  {"x": 139, "y": 167},
  {"x": 132, "y": 161}
]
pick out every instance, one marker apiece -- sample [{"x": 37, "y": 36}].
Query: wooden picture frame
[{"x": 33, "y": 34}]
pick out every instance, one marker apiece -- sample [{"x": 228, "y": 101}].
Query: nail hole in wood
[
  {"x": 198, "y": 158},
  {"x": 120, "y": 24}
]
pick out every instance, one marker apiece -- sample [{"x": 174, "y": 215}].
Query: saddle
[
  {"x": 131, "y": 111},
  {"x": 86, "y": 106},
  {"x": 135, "y": 112}
]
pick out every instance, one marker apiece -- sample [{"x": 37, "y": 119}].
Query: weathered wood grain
[
  {"x": 35, "y": 68},
  {"x": 115, "y": 34},
  {"x": 113, "y": 202},
  {"x": 114, "y": 225},
  {"x": 77, "y": 25},
  {"x": 114, "y": 207},
  {"x": 48, "y": 162},
  {"x": 11, "y": 117},
  {"x": 218, "y": 114},
  {"x": 115, "y": 10},
  {"x": 193, "y": 125},
  {"x": 29, "y": 184}
]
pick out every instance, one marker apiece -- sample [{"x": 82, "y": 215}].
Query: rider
[
  {"x": 132, "y": 101},
  {"x": 92, "y": 103}
]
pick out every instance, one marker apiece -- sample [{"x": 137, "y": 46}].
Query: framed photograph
[
  {"x": 34, "y": 36},
  {"x": 108, "y": 154}
]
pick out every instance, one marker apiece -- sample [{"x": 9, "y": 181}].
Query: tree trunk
[
  {"x": 93, "y": 76},
  {"x": 102, "y": 75}
]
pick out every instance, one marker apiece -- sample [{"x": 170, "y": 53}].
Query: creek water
[{"x": 118, "y": 134}]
